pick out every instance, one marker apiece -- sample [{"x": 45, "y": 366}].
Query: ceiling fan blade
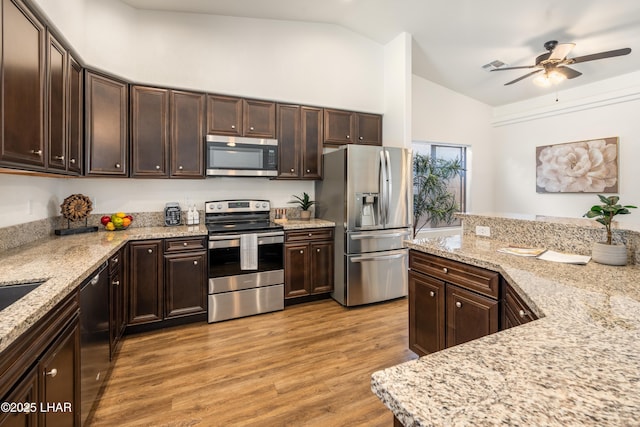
[
  {"x": 569, "y": 73},
  {"x": 601, "y": 55},
  {"x": 514, "y": 68},
  {"x": 522, "y": 77},
  {"x": 561, "y": 51}
]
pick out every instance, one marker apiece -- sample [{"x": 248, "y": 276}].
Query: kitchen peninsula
[{"x": 578, "y": 364}]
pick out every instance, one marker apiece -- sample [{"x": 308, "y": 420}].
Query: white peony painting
[{"x": 578, "y": 167}]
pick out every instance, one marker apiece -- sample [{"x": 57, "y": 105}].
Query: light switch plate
[{"x": 482, "y": 230}]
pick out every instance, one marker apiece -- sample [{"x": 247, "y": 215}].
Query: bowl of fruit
[{"x": 117, "y": 221}]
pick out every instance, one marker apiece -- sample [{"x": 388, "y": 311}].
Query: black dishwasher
[{"x": 94, "y": 337}]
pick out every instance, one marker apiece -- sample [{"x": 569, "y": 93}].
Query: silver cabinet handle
[
  {"x": 117, "y": 165},
  {"x": 251, "y": 128},
  {"x": 432, "y": 294},
  {"x": 360, "y": 138},
  {"x": 308, "y": 170},
  {"x": 36, "y": 152},
  {"x": 52, "y": 372},
  {"x": 348, "y": 137},
  {"x": 150, "y": 251},
  {"x": 445, "y": 270},
  {"x": 116, "y": 283},
  {"x": 58, "y": 157},
  {"x": 458, "y": 304},
  {"x": 185, "y": 244},
  {"x": 158, "y": 167},
  {"x": 72, "y": 161},
  {"x": 293, "y": 170},
  {"x": 318, "y": 250},
  {"x": 233, "y": 126},
  {"x": 522, "y": 313},
  {"x": 301, "y": 251},
  {"x": 115, "y": 260},
  {"x": 310, "y": 234},
  {"x": 195, "y": 262},
  {"x": 180, "y": 168}
]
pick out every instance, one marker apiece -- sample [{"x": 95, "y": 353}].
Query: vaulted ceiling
[{"x": 453, "y": 39}]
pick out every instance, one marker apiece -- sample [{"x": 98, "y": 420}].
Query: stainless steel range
[{"x": 246, "y": 265}]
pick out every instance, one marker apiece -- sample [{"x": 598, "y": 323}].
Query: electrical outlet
[{"x": 482, "y": 230}]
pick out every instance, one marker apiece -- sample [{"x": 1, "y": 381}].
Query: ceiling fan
[{"x": 553, "y": 63}]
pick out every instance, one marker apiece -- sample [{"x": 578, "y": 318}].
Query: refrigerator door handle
[
  {"x": 376, "y": 258},
  {"x": 389, "y": 190},
  {"x": 382, "y": 188},
  {"x": 378, "y": 236}
]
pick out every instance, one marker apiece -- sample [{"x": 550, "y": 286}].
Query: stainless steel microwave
[{"x": 236, "y": 156}]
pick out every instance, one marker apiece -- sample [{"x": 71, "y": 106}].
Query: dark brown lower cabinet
[
  {"x": 117, "y": 312},
  {"x": 308, "y": 262},
  {"x": 145, "y": 290},
  {"x": 42, "y": 369},
  {"x": 185, "y": 274},
  {"x": 443, "y": 311},
  {"x": 516, "y": 311}
]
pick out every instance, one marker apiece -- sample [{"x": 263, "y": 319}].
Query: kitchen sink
[{"x": 12, "y": 293}]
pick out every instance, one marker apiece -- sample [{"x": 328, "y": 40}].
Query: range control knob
[
  {"x": 257, "y": 205},
  {"x": 264, "y": 206},
  {"x": 219, "y": 206}
]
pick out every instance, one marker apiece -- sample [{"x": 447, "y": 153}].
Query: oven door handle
[
  {"x": 237, "y": 236},
  {"x": 234, "y": 241}
]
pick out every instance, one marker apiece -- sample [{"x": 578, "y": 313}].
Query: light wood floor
[{"x": 309, "y": 365}]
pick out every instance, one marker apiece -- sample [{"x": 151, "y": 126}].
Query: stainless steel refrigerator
[{"x": 367, "y": 192}]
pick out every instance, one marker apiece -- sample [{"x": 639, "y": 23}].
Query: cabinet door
[
  {"x": 321, "y": 279},
  {"x": 60, "y": 379},
  {"x": 57, "y": 104},
  {"x": 22, "y": 88},
  {"x": 288, "y": 141},
  {"x": 259, "y": 118},
  {"x": 187, "y": 134},
  {"x": 296, "y": 268},
  {"x": 224, "y": 115},
  {"x": 469, "y": 315},
  {"x": 145, "y": 290},
  {"x": 106, "y": 125},
  {"x": 186, "y": 284},
  {"x": 338, "y": 127},
  {"x": 516, "y": 311},
  {"x": 75, "y": 117},
  {"x": 369, "y": 129},
  {"x": 149, "y": 132},
  {"x": 426, "y": 314},
  {"x": 311, "y": 140},
  {"x": 26, "y": 391}
]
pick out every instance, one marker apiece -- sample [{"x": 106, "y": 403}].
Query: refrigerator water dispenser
[{"x": 367, "y": 208}]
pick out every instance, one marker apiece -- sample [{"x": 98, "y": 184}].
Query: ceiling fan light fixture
[
  {"x": 542, "y": 80},
  {"x": 549, "y": 78}
]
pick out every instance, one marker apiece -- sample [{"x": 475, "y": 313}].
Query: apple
[
  {"x": 105, "y": 219},
  {"x": 130, "y": 217}
]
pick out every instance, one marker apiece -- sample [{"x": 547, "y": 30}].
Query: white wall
[
  {"x": 611, "y": 116},
  {"x": 444, "y": 116},
  {"x": 396, "y": 127},
  {"x": 29, "y": 198}
]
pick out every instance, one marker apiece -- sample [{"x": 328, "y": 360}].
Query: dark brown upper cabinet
[
  {"x": 299, "y": 142},
  {"x": 240, "y": 117},
  {"x": 75, "y": 117},
  {"x": 149, "y": 132},
  {"x": 57, "y": 80},
  {"x": 106, "y": 125},
  {"x": 348, "y": 127},
  {"x": 23, "y": 87},
  {"x": 187, "y": 134}
]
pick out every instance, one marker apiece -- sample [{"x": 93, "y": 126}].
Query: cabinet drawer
[
  {"x": 184, "y": 244},
  {"x": 115, "y": 261},
  {"x": 477, "y": 279},
  {"x": 309, "y": 234},
  {"x": 515, "y": 310}
]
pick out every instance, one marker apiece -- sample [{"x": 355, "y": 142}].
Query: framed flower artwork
[{"x": 578, "y": 167}]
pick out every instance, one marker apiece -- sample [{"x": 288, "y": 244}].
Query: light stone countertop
[
  {"x": 298, "y": 224},
  {"x": 579, "y": 364},
  {"x": 64, "y": 262}
]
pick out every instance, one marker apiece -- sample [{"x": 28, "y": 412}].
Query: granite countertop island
[
  {"x": 579, "y": 364},
  {"x": 64, "y": 262}
]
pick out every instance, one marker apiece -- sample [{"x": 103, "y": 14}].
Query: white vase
[{"x": 609, "y": 254}]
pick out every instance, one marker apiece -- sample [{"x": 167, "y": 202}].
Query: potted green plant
[
  {"x": 305, "y": 204},
  {"x": 608, "y": 252}
]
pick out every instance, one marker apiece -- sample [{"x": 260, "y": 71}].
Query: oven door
[{"x": 225, "y": 272}]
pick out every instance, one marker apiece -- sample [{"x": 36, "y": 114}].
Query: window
[{"x": 457, "y": 185}]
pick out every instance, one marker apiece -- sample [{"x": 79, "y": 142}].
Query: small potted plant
[
  {"x": 305, "y": 204},
  {"x": 608, "y": 252}
]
